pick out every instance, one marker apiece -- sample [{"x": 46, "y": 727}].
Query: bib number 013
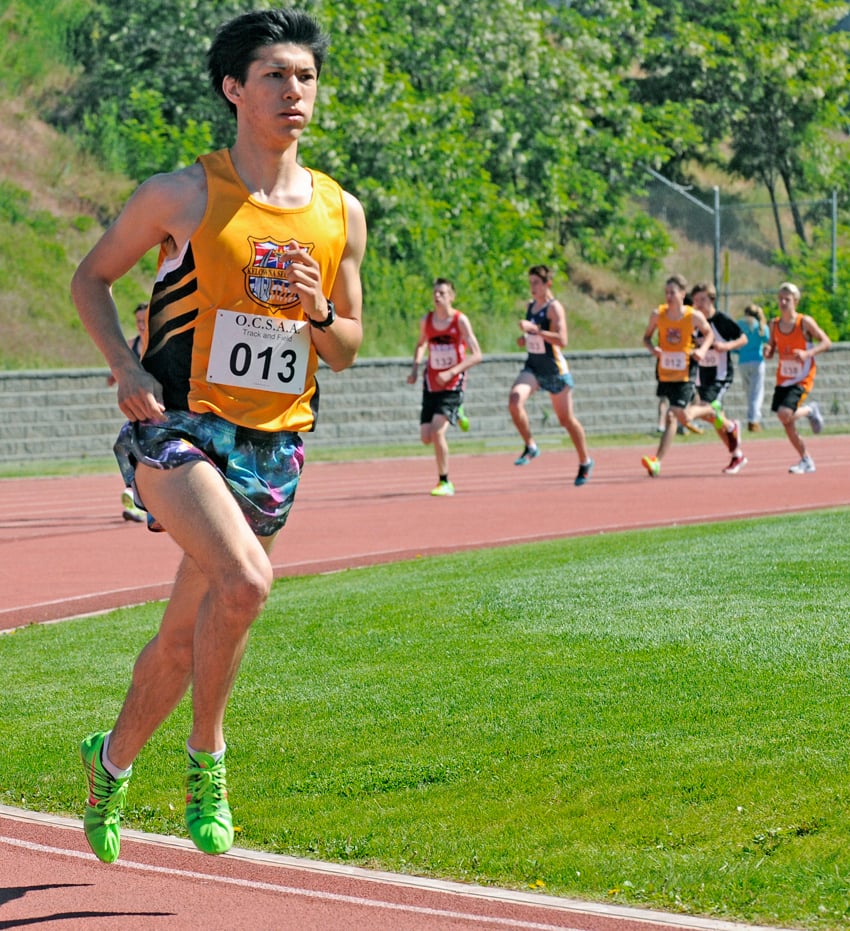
[{"x": 259, "y": 351}]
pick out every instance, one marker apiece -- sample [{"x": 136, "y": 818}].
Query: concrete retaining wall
[{"x": 68, "y": 414}]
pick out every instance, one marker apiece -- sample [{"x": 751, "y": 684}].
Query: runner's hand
[
  {"x": 305, "y": 280},
  {"x": 140, "y": 396}
]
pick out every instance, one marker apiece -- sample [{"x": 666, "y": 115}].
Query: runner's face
[
  {"x": 443, "y": 296},
  {"x": 703, "y": 303},
  {"x": 279, "y": 92},
  {"x": 673, "y": 295},
  {"x": 537, "y": 286},
  {"x": 787, "y": 302}
]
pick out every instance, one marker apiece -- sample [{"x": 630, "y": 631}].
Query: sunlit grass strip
[{"x": 652, "y": 717}]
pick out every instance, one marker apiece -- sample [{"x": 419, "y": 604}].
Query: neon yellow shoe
[
  {"x": 462, "y": 419},
  {"x": 107, "y": 796},
  {"x": 718, "y": 410},
  {"x": 208, "y": 817},
  {"x": 652, "y": 465},
  {"x": 443, "y": 490}
]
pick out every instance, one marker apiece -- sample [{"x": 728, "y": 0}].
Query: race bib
[
  {"x": 259, "y": 351},
  {"x": 790, "y": 368},
  {"x": 442, "y": 356},
  {"x": 673, "y": 361},
  {"x": 711, "y": 359},
  {"x": 535, "y": 343}
]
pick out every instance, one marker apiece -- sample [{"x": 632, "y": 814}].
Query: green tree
[
  {"x": 766, "y": 82},
  {"x": 149, "y": 45},
  {"x": 481, "y": 135}
]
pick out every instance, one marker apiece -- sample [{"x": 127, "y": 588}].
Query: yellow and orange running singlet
[
  {"x": 225, "y": 334},
  {"x": 676, "y": 342}
]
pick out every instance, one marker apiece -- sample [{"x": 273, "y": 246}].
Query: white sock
[
  {"x": 218, "y": 756},
  {"x": 108, "y": 765}
]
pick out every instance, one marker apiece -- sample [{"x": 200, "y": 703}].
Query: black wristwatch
[{"x": 328, "y": 320}]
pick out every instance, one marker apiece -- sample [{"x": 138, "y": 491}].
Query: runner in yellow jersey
[
  {"x": 258, "y": 278},
  {"x": 676, "y": 357}
]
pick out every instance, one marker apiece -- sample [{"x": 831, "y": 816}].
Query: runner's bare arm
[
  {"x": 418, "y": 352},
  {"x": 652, "y": 326},
  {"x": 770, "y": 346},
  {"x": 473, "y": 349},
  {"x": 816, "y": 335},
  {"x": 339, "y": 343},
  {"x": 557, "y": 318},
  {"x": 704, "y": 328},
  {"x": 164, "y": 209}
]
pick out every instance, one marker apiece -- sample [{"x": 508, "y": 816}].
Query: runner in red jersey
[{"x": 447, "y": 335}]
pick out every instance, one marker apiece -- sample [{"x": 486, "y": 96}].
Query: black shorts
[
  {"x": 787, "y": 396},
  {"x": 713, "y": 392},
  {"x": 678, "y": 393},
  {"x": 440, "y": 402}
]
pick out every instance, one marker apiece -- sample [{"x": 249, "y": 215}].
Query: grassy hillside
[
  {"x": 55, "y": 201},
  {"x": 53, "y": 204}
]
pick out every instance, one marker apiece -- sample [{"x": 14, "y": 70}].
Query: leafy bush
[
  {"x": 429, "y": 120},
  {"x": 140, "y": 141},
  {"x": 812, "y": 273}
]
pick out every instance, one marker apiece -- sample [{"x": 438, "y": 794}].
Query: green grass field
[{"x": 653, "y": 718}]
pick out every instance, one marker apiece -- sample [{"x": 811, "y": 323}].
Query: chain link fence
[{"x": 734, "y": 243}]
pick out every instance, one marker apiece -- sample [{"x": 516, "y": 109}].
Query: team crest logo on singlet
[
  {"x": 265, "y": 274},
  {"x": 674, "y": 337}
]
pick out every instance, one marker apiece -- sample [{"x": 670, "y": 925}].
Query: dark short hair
[
  {"x": 439, "y": 281},
  {"x": 236, "y": 43},
  {"x": 705, "y": 287},
  {"x": 543, "y": 272},
  {"x": 679, "y": 280}
]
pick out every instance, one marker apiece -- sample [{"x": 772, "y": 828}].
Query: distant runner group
[
  {"x": 692, "y": 343},
  {"x": 446, "y": 334},
  {"x": 694, "y": 368}
]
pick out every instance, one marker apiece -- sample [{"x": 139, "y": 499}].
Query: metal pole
[
  {"x": 834, "y": 241},
  {"x": 717, "y": 238}
]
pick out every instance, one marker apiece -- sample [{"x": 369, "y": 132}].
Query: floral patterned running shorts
[{"x": 261, "y": 469}]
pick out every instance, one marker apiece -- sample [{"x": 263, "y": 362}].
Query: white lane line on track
[
  {"x": 318, "y": 867},
  {"x": 294, "y": 891}
]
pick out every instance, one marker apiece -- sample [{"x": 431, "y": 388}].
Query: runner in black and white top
[
  {"x": 715, "y": 374},
  {"x": 544, "y": 336}
]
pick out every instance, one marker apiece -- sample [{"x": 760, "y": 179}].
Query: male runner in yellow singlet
[
  {"x": 677, "y": 357},
  {"x": 259, "y": 277}
]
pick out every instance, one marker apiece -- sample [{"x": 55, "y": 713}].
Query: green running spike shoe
[
  {"x": 462, "y": 419},
  {"x": 208, "y": 815},
  {"x": 107, "y": 796},
  {"x": 652, "y": 465}
]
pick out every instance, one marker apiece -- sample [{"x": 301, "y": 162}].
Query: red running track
[
  {"x": 50, "y": 880},
  {"x": 65, "y": 551}
]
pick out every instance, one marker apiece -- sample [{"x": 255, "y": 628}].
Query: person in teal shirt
[{"x": 751, "y": 362}]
